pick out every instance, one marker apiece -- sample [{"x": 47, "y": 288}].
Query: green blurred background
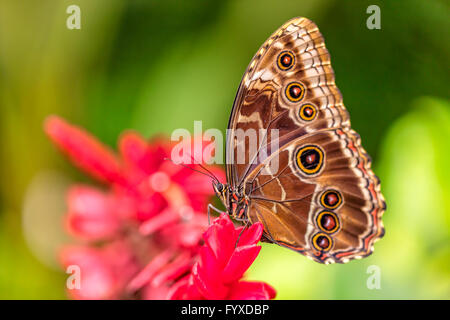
[{"x": 159, "y": 65}]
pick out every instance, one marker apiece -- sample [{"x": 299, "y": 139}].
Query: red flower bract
[
  {"x": 228, "y": 252},
  {"x": 142, "y": 234}
]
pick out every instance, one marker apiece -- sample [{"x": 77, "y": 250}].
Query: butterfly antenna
[
  {"x": 204, "y": 168},
  {"x": 183, "y": 165},
  {"x": 212, "y": 174}
]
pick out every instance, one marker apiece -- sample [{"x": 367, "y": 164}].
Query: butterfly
[{"x": 307, "y": 179}]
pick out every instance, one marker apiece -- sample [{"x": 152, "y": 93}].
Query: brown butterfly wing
[
  {"x": 285, "y": 196},
  {"x": 292, "y": 203},
  {"x": 261, "y": 102}
]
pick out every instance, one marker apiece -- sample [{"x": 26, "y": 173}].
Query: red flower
[
  {"x": 143, "y": 171},
  {"x": 152, "y": 208},
  {"x": 228, "y": 252},
  {"x": 92, "y": 214},
  {"x": 141, "y": 236},
  {"x": 104, "y": 272},
  {"x": 143, "y": 182}
]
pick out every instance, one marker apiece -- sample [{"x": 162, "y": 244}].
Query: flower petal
[
  {"x": 134, "y": 151},
  {"x": 91, "y": 214},
  {"x": 240, "y": 261},
  {"x": 252, "y": 235},
  {"x": 184, "y": 289},
  {"x": 84, "y": 150},
  {"x": 159, "y": 221},
  {"x": 208, "y": 267},
  {"x": 146, "y": 274},
  {"x": 210, "y": 289},
  {"x": 96, "y": 276},
  {"x": 186, "y": 234},
  {"x": 251, "y": 290},
  {"x": 178, "y": 267},
  {"x": 155, "y": 293},
  {"x": 220, "y": 237},
  {"x": 149, "y": 205}
]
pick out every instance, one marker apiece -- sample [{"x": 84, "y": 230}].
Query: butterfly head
[{"x": 221, "y": 191}]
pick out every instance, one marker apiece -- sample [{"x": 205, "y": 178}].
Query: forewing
[{"x": 263, "y": 102}]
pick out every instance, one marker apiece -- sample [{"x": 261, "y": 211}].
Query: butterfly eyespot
[
  {"x": 310, "y": 159},
  {"x": 285, "y": 60},
  {"x": 295, "y": 91},
  {"x": 322, "y": 242},
  {"x": 328, "y": 222},
  {"x": 307, "y": 112},
  {"x": 331, "y": 199}
]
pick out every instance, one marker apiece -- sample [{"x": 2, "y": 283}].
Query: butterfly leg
[
  {"x": 245, "y": 227},
  {"x": 211, "y": 207}
]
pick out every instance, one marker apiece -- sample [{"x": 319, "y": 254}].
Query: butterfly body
[{"x": 306, "y": 177}]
